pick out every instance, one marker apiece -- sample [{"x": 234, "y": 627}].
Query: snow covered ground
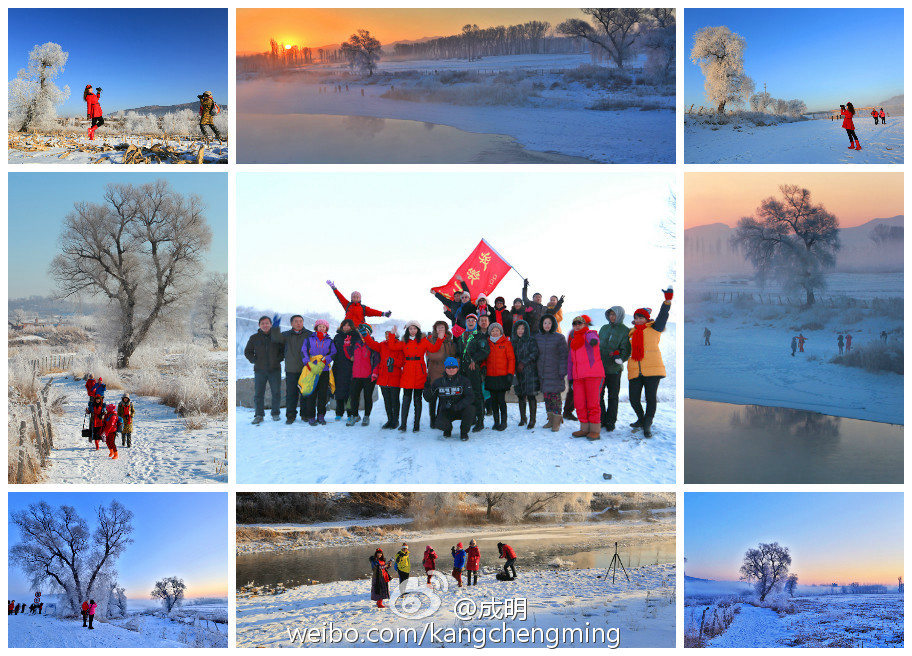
[
  {"x": 749, "y": 361},
  {"x": 164, "y": 450},
  {"x": 556, "y": 120},
  {"x": 106, "y": 149},
  {"x": 803, "y": 142},
  {"x": 642, "y": 611}
]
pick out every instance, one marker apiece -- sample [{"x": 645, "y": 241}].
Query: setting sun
[{"x": 287, "y": 46}]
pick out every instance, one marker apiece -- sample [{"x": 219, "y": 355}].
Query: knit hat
[
  {"x": 110, "y": 407},
  {"x": 643, "y": 312},
  {"x": 472, "y": 542},
  {"x": 481, "y": 297},
  {"x": 517, "y": 300},
  {"x": 321, "y": 322},
  {"x": 207, "y": 93},
  {"x": 450, "y": 362},
  {"x": 413, "y": 323},
  {"x": 496, "y": 325},
  {"x": 500, "y": 299},
  {"x": 459, "y": 546},
  {"x": 364, "y": 328},
  {"x": 472, "y": 316},
  {"x": 584, "y": 318},
  {"x": 405, "y": 545}
]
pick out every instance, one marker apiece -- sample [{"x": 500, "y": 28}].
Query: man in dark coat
[
  {"x": 455, "y": 400},
  {"x": 266, "y": 356},
  {"x": 614, "y": 348},
  {"x": 459, "y": 307},
  {"x": 292, "y": 340},
  {"x": 473, "y": 348}
]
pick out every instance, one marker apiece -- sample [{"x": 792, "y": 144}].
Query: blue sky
[
  {"x": 182, "y": 534},
  {"x": 822, "y": 56},
  {"x": 138, "y": 56},
  {"x": 38, "y": 203},
  {"x": 840, "y": 537}
]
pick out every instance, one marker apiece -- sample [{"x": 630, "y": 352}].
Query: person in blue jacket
[{"x": 459, "y": 561}]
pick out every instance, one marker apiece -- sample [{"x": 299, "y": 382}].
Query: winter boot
[
  {"x": 857, "y": 145},
  {"x": 556, "y": 423},
  {"x": 533, "y": 412},
  {"x": 609, "y": 426},
  {"x": 321, "y": 420},
  {"x": 311, "y": 422},
  {"x": 110, "y": 452},
  {"x": 851, "y": 146},
  {"x": 639, "y": 423},
  {"x": 116, "y": 455},
  {"x": 464, "y": 436},
  {"x": 569, "y": 416},
  {"x": 479, "y": 426},
  {"x": 289, "y": 420},
  {"x": 417, "y": 426},
  {"x": 595, "y": 431},
  {"x": 339, "y": 417},
  {"x": 91, "y": 133},
  {"x": 582, "y": 432},
  {"x": 647, "y": 429},
  {"x": 351, "y": 421},
  {"x": 522, "y": 411},
  {"x": 366, "y": 421},
  {"x": 257, "y": 420},
  {"x": 123, "y": 440},
  {"x": 130, "y": 440},
  {"x": 448, "y": 432},
  {"x": 380, "y": 604}
]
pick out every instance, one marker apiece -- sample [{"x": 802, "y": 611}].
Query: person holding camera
[
  {"x": 848, "y": 111},
  {"x": 207, "y": 111}
]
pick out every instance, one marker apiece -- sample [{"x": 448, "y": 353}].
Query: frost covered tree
[
  {"x": 490, "y": 500},
  {"x": 213, "y": 305},
  {"x": 362, "y": 52},
  {"x": 170, "y": 591},
  {"x": 790, "y": 239},
  {"x": 33, "y": 96},
  {"x": 766, "y": 567},
  {"x": 760, "y": 101},
  {"x": 57, "y": 546},
  {"x": 796, "y": 107},
  {"x": 659, "y": 40},
  {"x": 791, "y": 584},
  {"x": 720, "y": 54},
  {"x": 614, "y": 31},
  {"x": 522, "y": 506},
  {"x": 780, "y": 106},
  {"x": 142, "y": 248}
]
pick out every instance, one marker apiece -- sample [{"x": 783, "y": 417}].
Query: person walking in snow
[
  {"x": 96, "y": 411},
  {"x": 93, "y": 109},
  {"x": 292, "y": 340},
  {"x": 390, "y": 376},
  {"x": 614, "y": 348},
  {"x": 801, "y": 340},
  {"x": 92, "y": 608},
  {"x": 126, "y": 411},
  {"x": 207, "y": 111},
  {"x": 848, "y": 111},
  {"x": 414, "y": 348},
  {"x": 584, "y": 368},
  {"x": 365, "y": 372},
  {"x": 526, "y": 383},
  {"x": 99, "y": 388},
  {"x": 403, "y": 567},
  {"x": 875, "y": 115},
  {"x": 552, "y": 369},
  {"x": 90, "y": 387},
  {"x": 452, "y": 392},
  {"x": 473, "y": 563},
  {"x": 883, "y": 336},
  {"x": 429, "y": 562},
  {"x": 342, "y": 367},
  {"x": 506, "y": 552},
  {"x": 266, "y": 355},
  {"x": 707, "y": 333},
  {"x": 354, "y": 309},
  {"x": 459, "y": 561},
  {"x": 500, "y": 366},
  {"x": 318, "y": 346},
  {"x": 840, "y": 343},
  {"x": 645, "y": 369},
  {"x": 848, "y": 342},
  {"x": 883, "y": 117},
  {"x": 794, "y": 345},
  {"x": 435, "y": 363},
  {"x": 379, "y": 578},
  {"x": 111, "y": 424}
]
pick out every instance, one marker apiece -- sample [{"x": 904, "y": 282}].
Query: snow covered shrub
[
  {"x": 780, "y": 603},
  {"x": 141, "y": 124},
  {"x": 890, "y": 308},
  {"x": 472, "y": 94},
  {"x": 874, "y": 356},
  {"x": 456, "y": 77},
  {"x": 87, "y": 363},
  {"x": 183, "y": 122},
  {"x": 221, "y": 123}
]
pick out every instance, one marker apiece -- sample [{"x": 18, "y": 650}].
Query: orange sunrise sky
[
  {"x": 854, "y": 198},
  {"x": 321, "y": 27}
]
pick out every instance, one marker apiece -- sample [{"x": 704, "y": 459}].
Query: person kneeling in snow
[
  {"x": 455, "y": 400},
  {"x": 126, "y": 411},
  {"x": 111, "y": 424},
  {"x": 506, "y": 552}
]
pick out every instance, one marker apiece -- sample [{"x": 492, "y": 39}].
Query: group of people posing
[
  {"x": 105, "y": 421},
  {"x": 15, "y": 608},
  {"x": 468, "y": 560},
  {"x": 464, "y": 368}
]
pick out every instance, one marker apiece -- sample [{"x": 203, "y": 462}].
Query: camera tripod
[{"x": 615, "y": 561}]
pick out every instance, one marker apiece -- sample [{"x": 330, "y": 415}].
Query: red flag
[{"x": 481, "y": 271}]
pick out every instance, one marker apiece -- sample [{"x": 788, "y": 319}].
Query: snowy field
[
  {"x": 819, "y": 620},
  {"x": 164, "y": 450},
  {"x": 554, "y": 120},
  {"x": 803, "y": 142},
  {"x": 642, "y": 611},
  {"x": 749, "y": 361},
  {"x": 112, "y": 149}
]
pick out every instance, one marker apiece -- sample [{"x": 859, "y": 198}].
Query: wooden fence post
[{"x": 20, "y": 469}]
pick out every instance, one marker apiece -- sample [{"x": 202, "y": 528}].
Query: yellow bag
[{"x": 307, "y": 381}]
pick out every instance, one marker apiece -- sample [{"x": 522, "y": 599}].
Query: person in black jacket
[
  {"x": 460, "y": 307},
  {"x": 342, "y": 365},
  {"x": 473, "y": 349},
  {"x": 455, "y": 400},
  {"x": 292, "y": 340},
  {"x": 266, "y": 356}
]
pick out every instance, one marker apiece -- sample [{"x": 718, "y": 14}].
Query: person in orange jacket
[
  {"x": 500, "y": 366},
  {"x": 354, "y": 309},
  {"x": 801, "y": 340},
  {"x": 875, "y": 114},
  {"x": 883, "y": 117}
]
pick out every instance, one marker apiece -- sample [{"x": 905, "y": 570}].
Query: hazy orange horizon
[
  {"x": 854, "y": 198},
  {"x": 315, "y": 27}
]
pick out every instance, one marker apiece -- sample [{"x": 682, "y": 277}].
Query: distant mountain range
[
  {"x": 161, "y": 110},
  {"x": 708, "y": 250}
]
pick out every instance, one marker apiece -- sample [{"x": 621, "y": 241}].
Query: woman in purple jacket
[{"x": 319, "y": 344}]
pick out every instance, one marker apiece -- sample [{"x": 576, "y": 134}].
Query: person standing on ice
[
  {"x": 459, "y": 561},
  {"x": 85, "y": 613},
  {"x": 379, "y": 578},
  {"x": 794, "y": 345},
  {"x": 526, "y": 384},
  {"x": 266, "y": 355},
  {"x": 554, "y": 309},
  {"x": 506, "y": 552},
  {"x": 707, "y": 333},
  {"x": 90, "y": 387},
  {"x": 552, "y": 369},
  {"x": 126, "y": 411},
  {"x": 390, "y": 377},
  {"x": 801, "y": 340},
  {"x": 883, "y": 336},
  {"x": 414, "y": 372},
  {"x": 614, "y": 348},
  {"x": 403, "y": 567},
  {"x": 645, "y": 369},
  {"x": 318, "y": 345},
  {"x": 585, "y": 369},
  {"x": 435, "y": 362},
  {"x": 207, "y": 111},
  {"x": 93, "y": 109},
  {"x": 473, "y": 562},
  {"x": 500, "y": 366},
  {"x": 354, "y": 309},
  {"x": 848, "y": 111},
  {"x": 848, "y": 342},
  {"x": 840, "y": 343},
  {"x": 429, "y": 562}
]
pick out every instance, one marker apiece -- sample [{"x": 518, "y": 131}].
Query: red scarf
[
  {"x": 637, "y": 346},
  {"x": 579, "y": 339},
  {"x": 320, "y": 336}
]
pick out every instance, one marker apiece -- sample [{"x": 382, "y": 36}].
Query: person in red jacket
[
  {"x": 354, "y": 309},
  {"x": 875, "y": 115},
  {"x": 96, "y": 412},
  {"x": 391, "y": 363},
  {"x": 365, "y": 372},
  {"x": 500, "y": 366},
  {"x": 506, "y": 552},
  {"x": 429, "y": 562},
  {"x": 90, "y": 387},
  {"x": 473, "y": 563},
  {"x": 414, "y": 346},
  {"x": 848, "y": 111},
  {"x": 93, "y": 109},
  {"x": 110, "y": 426},
  {"x": 85, "y": 613},
  {"x": 883, "y": 117}
]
